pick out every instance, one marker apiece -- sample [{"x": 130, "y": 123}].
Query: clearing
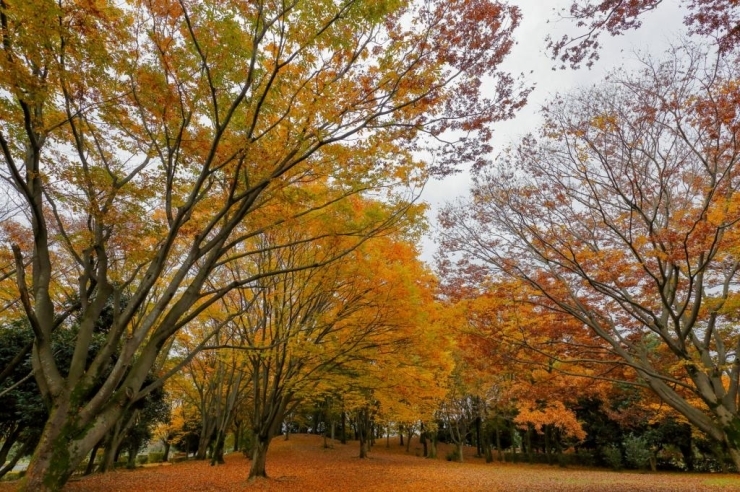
[{"x": 302, "y": 464}]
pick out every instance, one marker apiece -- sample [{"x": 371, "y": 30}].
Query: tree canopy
[{"x": 209, "y": 212}]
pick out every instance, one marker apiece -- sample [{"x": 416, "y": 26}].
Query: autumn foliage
[{"x": 209, "y": 218}]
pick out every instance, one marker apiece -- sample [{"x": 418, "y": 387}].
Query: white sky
[{"x": 660, "y": 28}]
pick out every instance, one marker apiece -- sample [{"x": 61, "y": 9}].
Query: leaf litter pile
[{"x": 302, "y": 464}]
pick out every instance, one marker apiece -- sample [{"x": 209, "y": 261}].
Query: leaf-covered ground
[{"x": 302, "y": 464}]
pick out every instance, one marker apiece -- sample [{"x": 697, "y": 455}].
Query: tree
[
  {"x": 521, "y": 365},
  {"x": 214, "y": 382},
  {"x": 400, "y": 379},
  {"x": 308, "y": 325},
  {"x": 21, "y": 410},
  {"x": 458, "y": 414},
  {"x": 624, "y": 217},
  {"x": 719, "y": 19},
  {"x": 139, "y": 137}
]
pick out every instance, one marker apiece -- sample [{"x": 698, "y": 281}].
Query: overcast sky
[{"x": 660, "y": 28}]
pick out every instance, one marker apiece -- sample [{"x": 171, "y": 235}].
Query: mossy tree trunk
[{"x": 61, "y": 449}]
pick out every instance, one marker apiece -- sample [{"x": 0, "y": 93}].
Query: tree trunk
[
  {"x": 408, "y": 440},
  {"x": 25, "y": 449},
  {"x": 91, "y": 459},
  {"x": 720, "y": 457},
  {"x": 459, "y": 452},
  {"x": 238, "y": 435},
  {"x": 432, "y": 447},
  {"x": 131, "y": 462},
  {"x": 259, "y": 458},
  {"x": 423, "y": 440},
  {"x": 110, "y": 452},
  {"x": 686, "y": 448},
  {"x": 501, "y": 456},
  {"x": 8, "y": 443},
  {"x": 217, "y": 457},
  {"x": 116, "y": 436},
  {"x": 363, "y": 428},
  {"x": 559, "y": 448},
  {"x": 400, "y": 435},
  {"x": 203, "y": 443},
  {"x": 735, "y": 456},
  {"x": 166, "y": 456},
  {"x": 478, "y": 443},
  {"x": 54, "y": 459},
  {"x": 486, "y": 445},
  {"x": 344, "y": 428}
]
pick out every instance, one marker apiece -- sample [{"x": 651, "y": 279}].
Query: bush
[
  {"x": 583, "y": 458},
  {"x": 636, "y": 451},
  {"x": 612, "y": 456},
  {"x": 453, "y": 455},
  {"x": 10, "y": 476},
  {"x": 562, "y": 460},
  {"x": 142, "y": 459},
  {"x": 156, "y": 457}
]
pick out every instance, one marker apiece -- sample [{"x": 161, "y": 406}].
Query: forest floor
[{"x": 303, "y": 464}]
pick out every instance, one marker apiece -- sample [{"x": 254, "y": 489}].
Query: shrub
[
  {"x": 613, "y": 456},
  {"x": 156, "y": 457},
  {"x": 10, "y": 476},
  {"x": 142, "y": 459},
  {"x": 583, "y": 458},
  {"x": 636, "y": 451}
]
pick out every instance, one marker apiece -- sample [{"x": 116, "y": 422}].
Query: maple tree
[
  {"x": 398, "y": 389},
  {"x": 305, "y": 326},
  {"x": 22, "y": 409},
  {"x": 400, "y": 381},
  {"x": 170, "y": 430},
  {"x": 623, "y": 215},
  {"x": 214, "y": 382},
  {"x": 521, "y": 369},
  {"x": 138, "y": 137},
  {"x": 717, "y": 19}
]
